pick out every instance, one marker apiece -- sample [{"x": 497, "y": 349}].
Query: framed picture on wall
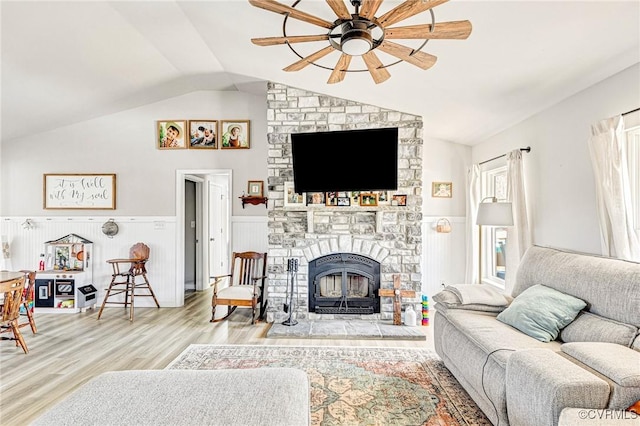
[
  {"x": 203, "y": 134},
  {"x": 255, "y": 188},
  {"x": 235, "y": 134},
  {"x": 441, "y": 189},
  {"x": 171, "y": 134}
]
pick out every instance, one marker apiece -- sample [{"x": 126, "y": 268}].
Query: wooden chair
[
  {"x": 12, "y": 290},
  {"x": 28, "y": 298},
  {"x": 123, "y": 279},
  {"x": 245, "y": 285}
]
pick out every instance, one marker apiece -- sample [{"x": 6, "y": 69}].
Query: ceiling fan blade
[
  {"x": 272, "y": 41},
  {"x": 297, "y": 66},
  {"x": 374, "y": 65},
  {"x": 457, "y": 30},
  {"x": 406, "y": 10},
  {"x": 420, "y": 59},
  {"x": 340, "y": 71},
  {"x": 339, "y": 8},
  {"x": 274, "y": 6},
  {"x": 369, "y": 8}
]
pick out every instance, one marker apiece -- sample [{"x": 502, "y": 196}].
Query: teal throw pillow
[{"x": 541, "y": 312}]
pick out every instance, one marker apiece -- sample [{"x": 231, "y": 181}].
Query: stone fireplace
[{"x": 351, "y": 250}]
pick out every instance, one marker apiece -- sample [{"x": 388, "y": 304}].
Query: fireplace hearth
[{"x": 344, "y": 283}]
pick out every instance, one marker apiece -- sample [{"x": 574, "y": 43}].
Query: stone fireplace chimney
[{"x": 387, "y": 234}]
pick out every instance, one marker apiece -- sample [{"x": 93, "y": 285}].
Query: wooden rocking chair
[{"x": 245, "y": 285}]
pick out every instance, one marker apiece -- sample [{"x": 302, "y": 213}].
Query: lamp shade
[{"x": 495, "y": 214}]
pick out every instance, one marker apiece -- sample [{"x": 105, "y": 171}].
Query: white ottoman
[{"x": 261, "y": 396}]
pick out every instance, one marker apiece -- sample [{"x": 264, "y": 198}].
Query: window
[
  {"x": 633, "y": 159},
  {"x": 494, "y": 238}
]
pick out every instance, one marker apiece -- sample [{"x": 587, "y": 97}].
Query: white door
[{"x": 218, "y": 253}]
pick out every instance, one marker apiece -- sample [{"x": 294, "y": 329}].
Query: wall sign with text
[{"x": 79, "y": 191}]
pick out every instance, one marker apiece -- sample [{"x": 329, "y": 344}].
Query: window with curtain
[{"x": 494, "y": 238}]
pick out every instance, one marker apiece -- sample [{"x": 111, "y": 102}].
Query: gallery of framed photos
[
  {"x": 341, "y": 198},
  {"x": 203, "y": 134}
]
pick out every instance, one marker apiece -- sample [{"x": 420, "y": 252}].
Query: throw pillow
[
  {"x": 541, "y": 312},
  {"x": 452, "y": 301}
]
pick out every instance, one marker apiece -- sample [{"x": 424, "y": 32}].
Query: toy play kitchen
[{"x": 67, "y": 276}]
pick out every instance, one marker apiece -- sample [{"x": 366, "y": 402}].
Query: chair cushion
[{"x": 241, "y": 292}]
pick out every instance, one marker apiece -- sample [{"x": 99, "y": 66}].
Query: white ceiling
[{"x": 65, "y": 62}]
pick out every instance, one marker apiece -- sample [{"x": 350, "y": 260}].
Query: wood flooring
[{"x": 70, "y": 349}]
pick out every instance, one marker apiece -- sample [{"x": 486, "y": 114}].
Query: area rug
[{"x": 356, "y": 385}]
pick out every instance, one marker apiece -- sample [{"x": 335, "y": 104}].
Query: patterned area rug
[{"x": 356, "y": 385}]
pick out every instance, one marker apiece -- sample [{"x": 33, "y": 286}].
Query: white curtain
[
  {"x": 519, "y": 235},
  {"x": 613, "y": 192},
  {"x": 472, "y": 236}
]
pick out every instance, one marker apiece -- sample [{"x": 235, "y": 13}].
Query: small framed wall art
[
  {"x": 255, "y": 188},
  {"x": 203, "y": 134},
  {"x": 441, "y": 189},
  {"x": 235, "y": 134},
  {"x": 171, "y": 134}
]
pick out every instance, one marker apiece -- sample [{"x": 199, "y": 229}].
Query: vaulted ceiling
[{"x": 65, "y": 62}]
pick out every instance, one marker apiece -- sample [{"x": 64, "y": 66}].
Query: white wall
[
  {"x": 559, "y": 178},
  {"x": 125, "y": 144}
]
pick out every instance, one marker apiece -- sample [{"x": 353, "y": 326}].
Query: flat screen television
[{"x": 347, "y": 160}]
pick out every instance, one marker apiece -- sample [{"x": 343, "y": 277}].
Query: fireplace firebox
[{"x": 344, "y": 283}]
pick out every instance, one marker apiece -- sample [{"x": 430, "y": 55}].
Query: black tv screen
[{"x": 348, "y": 160}]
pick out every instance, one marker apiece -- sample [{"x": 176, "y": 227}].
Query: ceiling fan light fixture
[{"x": 356, "y": 39}]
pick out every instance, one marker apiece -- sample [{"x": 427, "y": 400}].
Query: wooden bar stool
[{"x": 124, "y": 281}]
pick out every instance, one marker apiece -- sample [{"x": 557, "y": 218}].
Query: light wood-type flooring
[{"x": 70, "y": 349}]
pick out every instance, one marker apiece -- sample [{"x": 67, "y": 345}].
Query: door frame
[{"x": 202, "y": 194}]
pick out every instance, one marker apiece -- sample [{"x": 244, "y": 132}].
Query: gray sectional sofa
[{"x": 594, "y": 363}]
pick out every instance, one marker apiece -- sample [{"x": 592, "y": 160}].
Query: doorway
[
  {"x": 203, "y": 209},
  {"x": 190, "y": 235}
]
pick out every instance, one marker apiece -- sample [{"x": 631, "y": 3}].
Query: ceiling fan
[{"x": 361, "y": 33}]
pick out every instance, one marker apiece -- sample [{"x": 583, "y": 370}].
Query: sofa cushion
[
  {"x": 588, "y": 327},
  {"x": 611, "y": 287},
  {"x": 541, "y": 312},
  {"x": 491, "y": 335},
  {"x": 618, "y": 364}
]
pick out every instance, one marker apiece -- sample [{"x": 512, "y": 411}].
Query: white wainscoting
[
  {"x": 249, "y": 233},
  {"x": 443, "y": 255},
  {"x": 157, "y": 232}
]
